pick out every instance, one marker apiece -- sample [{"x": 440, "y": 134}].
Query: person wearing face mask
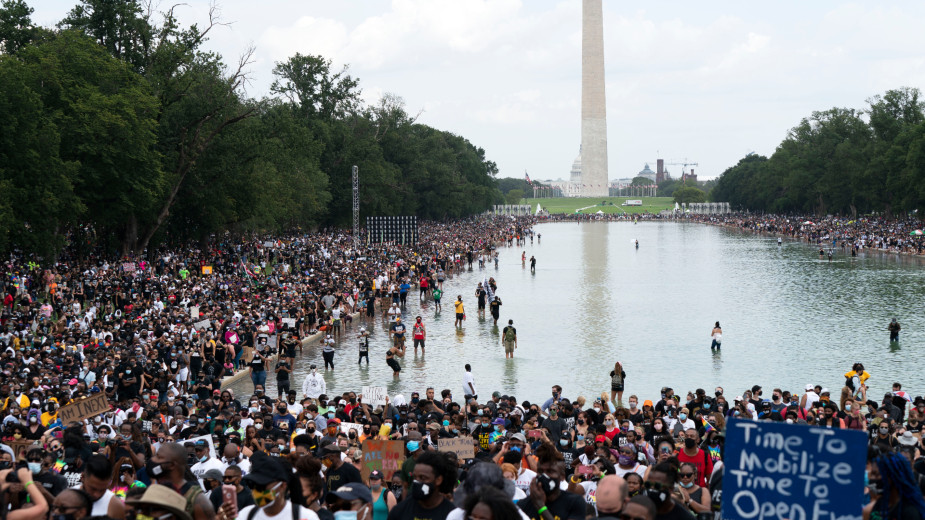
[
  {"x": 683, "y": 423},
  {"x": 232, "y": 457},
  {"x": 352, "y": 502},
  {"x": 382, "y": 498},
  {"x": 97, "y": 476},
  {"x": 205, "y": 462},
  {"x": 696, "y": 498},
  {"x": 337, "y": 473},
  {"x": 269, "y": 482},
  {"x": 313, "y": 385},
  {"x": 547, "y": 499},
  {"x": 168, "y": 467},
  {"x": 659, "y": 485},
  {"x": 38, "y": 462},
  {"x": 627, "y": 461},
  {"x": 691, "y": 453},
  {"x": 432, "y": 477}
]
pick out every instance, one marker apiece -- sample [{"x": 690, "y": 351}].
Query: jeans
[
  {"x": 715, "y": 345},
  {"x": 259, "y": 378}
]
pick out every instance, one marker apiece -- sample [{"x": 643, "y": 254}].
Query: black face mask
[
  {"x": 421, "y": 491},
  {"x": 689, "y": 443},
  {"x": 549, "y": 485},
  {"x": 155, "y": 470},
  {"x": 657, "y": 495}
]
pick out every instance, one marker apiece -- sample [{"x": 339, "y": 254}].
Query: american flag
[{"x": 528, "y": 177}]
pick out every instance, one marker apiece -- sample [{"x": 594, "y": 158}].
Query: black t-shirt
[
  {"x": 52, "y": 482},
  {"x": 678, "y": 512},
  {"x": 345, "y": 474},
  {"x": 411, "y": 509},
  {"x": 565, "y": 506},
  {"x": 282, "y": 375},
  {"x": 257, "y": 364}
]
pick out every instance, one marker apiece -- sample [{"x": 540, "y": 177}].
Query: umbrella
[
  {"x": 917, "y": 232},
  {"x": 808, "y": 223}
]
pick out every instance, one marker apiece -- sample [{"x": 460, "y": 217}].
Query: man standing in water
[
  {"x": 894, "y": 329},
  {"x": 509, "y": 339},
  {"x": 532, "y": 264},
  {"x": 460, "y": 311},
  {"x": 481, "y": 294},
  {"x": 495, "y": 308}
]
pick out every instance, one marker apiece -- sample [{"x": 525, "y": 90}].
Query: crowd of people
[{"x": 157, "y": 336}]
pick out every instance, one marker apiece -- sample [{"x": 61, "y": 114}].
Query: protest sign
[
  {"x": 779, "y": 470},
  {"x": 207, "y": 269},
  {"x": 194, "y": 311},
  {"x": 385, "y": 456},
  {"x": 207, "y": 438},
  {"x": 201, "y": 325},
  {"x": 20, "y": 447},
  {"x": 290, "y": 322},
  {"x": 83, "y": 409},
  {"x": 461, "y": 446},
  {"x": 347, "y": 426},
  {"x": 128, "y": 267},
  {"x": 374, "y": 395}
]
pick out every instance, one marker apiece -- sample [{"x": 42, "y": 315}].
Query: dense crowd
[
  {"x": 851, "y": 235},
  {"x": 156, "y": 336}
]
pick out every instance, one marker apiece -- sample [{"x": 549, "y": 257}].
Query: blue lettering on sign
[{"x": 778, "y": 471}]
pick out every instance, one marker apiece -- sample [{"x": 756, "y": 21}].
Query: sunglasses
[
  {"x": 655, "y": 486},
  {"x": 686, "y": 475}
]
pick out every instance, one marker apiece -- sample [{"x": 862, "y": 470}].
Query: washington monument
[{"x": 594, "y": 178}]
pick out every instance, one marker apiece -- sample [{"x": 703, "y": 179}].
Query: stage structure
[{"x": 400, "y": 230}]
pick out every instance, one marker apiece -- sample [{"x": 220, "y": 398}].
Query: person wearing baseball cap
[
  {"x": 338, "y": 473},
  {"x": 354, "y": 497},
  {"x": 382, "y": 498},
  {"x": 269, "y": 483}
]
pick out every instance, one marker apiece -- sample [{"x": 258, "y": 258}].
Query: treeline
[
  {"x": 119, "y": 130},
  {"x": 840, "y": 161}
]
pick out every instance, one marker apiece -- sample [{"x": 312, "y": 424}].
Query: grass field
[{"x": 569, "y": 205}]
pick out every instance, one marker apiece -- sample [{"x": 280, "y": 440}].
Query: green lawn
[{"x": 569, "y": 205}]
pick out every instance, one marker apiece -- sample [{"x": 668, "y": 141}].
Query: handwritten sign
[
  {"x": 289, "y": 322},
  {"x": 779, "y": 470},
  {"x": 128, "y": 267},
  {"x": 20, "y": 447},
  {"x": 374, "y": 395},
  {"x": 461, "y": 446},
  {"x": 201, "y": 325},
  {"x": 194, "y": 311},
  {"x": 384, "y": 456},
  {"x": 84, "y": 409},
  {"x": 347, "y": 426}
]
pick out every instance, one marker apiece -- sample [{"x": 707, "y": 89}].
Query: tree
[
  {"x": 16, "y": 27},
  {"x": 506, "y": 184},
  {"x": 514, "y": 196},
  {"x": 641, "y": 181},
  {"x": 309, "y": 83},
  {"x": 689, "y": 194}
]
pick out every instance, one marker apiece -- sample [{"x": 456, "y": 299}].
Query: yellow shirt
[
  {"x": 864, "y": 375},
  {"x": 459, "y": 307}
]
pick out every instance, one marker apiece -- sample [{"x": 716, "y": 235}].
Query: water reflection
[{"x": 595, "y": 299}]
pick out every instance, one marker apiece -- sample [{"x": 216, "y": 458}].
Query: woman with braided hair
[{"x": 894, "y": 493}]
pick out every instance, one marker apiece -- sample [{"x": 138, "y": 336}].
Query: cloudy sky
[{"x": 686, "y": 81}]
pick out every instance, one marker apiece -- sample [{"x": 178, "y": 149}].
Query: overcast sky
[{"x": 701, "y": 82}]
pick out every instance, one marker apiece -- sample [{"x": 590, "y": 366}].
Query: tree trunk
[
  {"x": 130, "y": 238},
  {"x": 854, "y": 212}
]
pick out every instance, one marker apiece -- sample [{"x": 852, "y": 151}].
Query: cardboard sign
[
  {"x": 779, "y": 470},
  {"x": 202, "y": 325},
  {"x": 384, "y": 456},
  {"x": 374, "y": 395},
  {"x": 194, "y": 311},
  {"x": 84, "y": 409},
  {"x": 290, "y": 322},
  {"x": 207, "y": 269},
  {"x": 20, "y": 447},
  {"x": 461, "y": 446}
]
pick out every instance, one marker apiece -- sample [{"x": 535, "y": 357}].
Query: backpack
[
  {"x": 509, "y": 334},
  {"x": 850, "y": 383}
]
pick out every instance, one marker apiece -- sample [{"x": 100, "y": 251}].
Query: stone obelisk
[{"x": 594, "y": 178}]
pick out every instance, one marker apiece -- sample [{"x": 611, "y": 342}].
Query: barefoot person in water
[{"x": 717, "y": 336}]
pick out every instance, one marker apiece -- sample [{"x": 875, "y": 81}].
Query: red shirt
[{"x": 703, "y": 462}]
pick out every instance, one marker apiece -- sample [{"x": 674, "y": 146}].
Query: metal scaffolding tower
[{"x": 356, "y": 208}]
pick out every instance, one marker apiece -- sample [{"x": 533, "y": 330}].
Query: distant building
[
  {"x": 689, "y": 176},
  {"x": 647, "y": 173}
]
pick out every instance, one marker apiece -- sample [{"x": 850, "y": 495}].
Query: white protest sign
[
  {"x": 290, "y": 322},
  {"x": 194, "y": 312},
  {"x": 207, "y": 438},
  {"x": 345, "y": 427},
  {"x": 374, "y": 395},
  {"x": 202, "y": 325}
]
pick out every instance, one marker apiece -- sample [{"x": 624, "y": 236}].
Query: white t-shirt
[
  {"x": 524, "y": 479},
  {"x": 285, "y": 514},
  {"x": 811, "y": 398},
  {"x": 638, "y": 469},
  {"x": 590, "y": 488},
  {"x": 199, "y": 469},
  {"x": 467, "y": 380}
]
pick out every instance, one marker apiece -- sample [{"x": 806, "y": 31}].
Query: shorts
[
  {"x": 481, "y": 306},
  {"x": 418, "y": 342},
  {"x": 508, "y": 347},
  {"x": 394, "y": 364},
  {"x": 460, "y": 315},
  {"x": 616, "y": 388}
]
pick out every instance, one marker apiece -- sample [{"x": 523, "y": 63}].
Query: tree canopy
[
  {"x": 120, "y": 131},
  {"x": 841, "y": 160}
]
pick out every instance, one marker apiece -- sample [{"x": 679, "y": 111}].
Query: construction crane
[{"x": 684, "y": 164}]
